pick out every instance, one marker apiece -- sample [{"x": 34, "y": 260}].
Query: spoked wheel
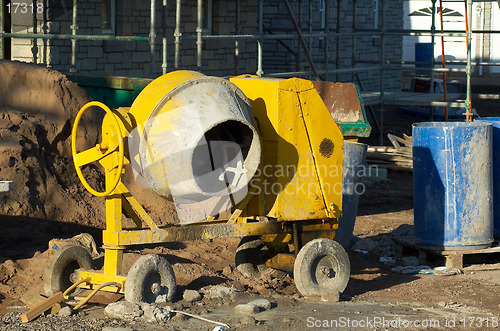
[
  {"x": 59, "y": 270},
  {"x": 150, "y": 277},
  {"x": 321, "y": 266},
  {"x": 251, "y": 256}
]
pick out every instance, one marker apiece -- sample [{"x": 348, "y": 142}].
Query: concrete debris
[
  {"x": 248, "y": 320},
  {"x": 386, "y": 246},
  {"x": 65, "y": 311},
  {"x": 153, "y": 313},
  {"x": 220, "y": 292},
  {"x": 253, "y": 307},
  {"x": 123, "y": 310},
  {"x": 263, "y": 304},
  {"x": 410, "y": 261},
  {"x": 138, "y": 312},
  {"x": 162, "y": 298},
  {"x": 191, "y": 296},
  {"x": 246, "y": 309},
  {"x": 365, "y": 245},
  {"x": 404, "y": 230}
]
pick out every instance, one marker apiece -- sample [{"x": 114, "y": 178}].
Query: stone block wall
[
  {"x": 220, "y": 57},
  {"x": 342, "y": 52}
]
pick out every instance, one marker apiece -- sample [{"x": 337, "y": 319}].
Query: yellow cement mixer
[{"x": 266, "y": 150}]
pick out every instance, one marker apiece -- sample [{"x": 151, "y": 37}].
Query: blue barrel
[
  {"x": 423, "y": 53},
  {"x": 452, "y": 185},
  {"x": 495, "y": 121},
  {"x": 354, "y": 159}
]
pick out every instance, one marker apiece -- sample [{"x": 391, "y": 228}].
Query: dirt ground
[{"x": 49, "y": 202}]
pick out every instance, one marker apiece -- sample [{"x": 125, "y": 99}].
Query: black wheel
[
  {"x": 150, "y": 277},
  {"x": 321, "y": 266},
  {"x": 251, "y": 256},
  {"x": 59, "y": 270}
]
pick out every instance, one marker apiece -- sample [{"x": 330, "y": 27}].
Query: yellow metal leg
[{"x": 113, "y": 260}]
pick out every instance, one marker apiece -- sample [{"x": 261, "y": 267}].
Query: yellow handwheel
[{"x": 98, "y": 152}]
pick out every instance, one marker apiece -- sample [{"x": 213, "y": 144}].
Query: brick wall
[
  {"x": 368, "y": 48},
  {"x": 219, "y": 56}
]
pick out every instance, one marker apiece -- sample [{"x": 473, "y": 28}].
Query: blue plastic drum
[
  {"x": 452, "y": 185},
  {"x": 495, "y": 121}
]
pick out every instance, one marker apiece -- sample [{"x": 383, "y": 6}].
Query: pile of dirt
[{"x": 37, "y": 107}]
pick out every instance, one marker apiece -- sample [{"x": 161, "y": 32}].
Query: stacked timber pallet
[{"x": 399, "y": 157}]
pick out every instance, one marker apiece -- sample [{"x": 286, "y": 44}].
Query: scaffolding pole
[
  {"x": 164, "y": 38},
  {"x": 34, "y": 49},
  {"x": 382, "y": 73},
  {"x": 260, "y": 71},
  {"x": 74, "y": 27},
  {"x": 468, "y": 24},
  {"x": 199, "y": 34},
  {"x": 2, "y": 24},
  {"x": 152, "y": 39},
  {"x": 177, "y": 33}
]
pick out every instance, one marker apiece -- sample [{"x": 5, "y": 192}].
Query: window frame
[{"x": 112, "y": 29}]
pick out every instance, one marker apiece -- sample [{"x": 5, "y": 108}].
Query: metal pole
[
  {"x": 164, "y": 39},
  {"x": 310, "y": 23},
  {"x": 301, "y": 40},
  {"x": 236, "y": 42},
  {"x": 326, "y": 31},
  {"x": 353, "y": 48},
  {"x": 199, "y": 32},
  {"x": 177, "y": 33},
  {"x": 260, "y": 72},
  {"x": 2, "y": 23},
  {"x": 382, "y": 73},
  {"x": 74, "y": 27},
  {"x": 45, "y": 30},
  {"x": 71, "y": 37},
  {"x": 431, "y": 60},
  {"x": 443, "y": 60},
  {"x": 152, "y": 37},
  {"x": 337, "y": 50},
  {"x": 468, "y": 18},
  {"x": 297, "y": 56},
  {"x": 34, "y": 49}
]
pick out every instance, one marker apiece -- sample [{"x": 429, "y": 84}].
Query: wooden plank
[
  {"x": 387, "y": 157},
  {"x": 394, "y": 167},
  {"x": 403, "y": 151},
  {"x": 454, "y": 260},
  {"x": 32, "y": 300},
  {"x": 42, "y": 307},
  {"x": 413, "y": 99}
]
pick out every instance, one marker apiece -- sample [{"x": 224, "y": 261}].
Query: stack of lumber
[{"x": 399, "y": 157}]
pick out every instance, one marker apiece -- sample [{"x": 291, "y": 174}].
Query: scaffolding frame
[{"x": 381, "y": 65}]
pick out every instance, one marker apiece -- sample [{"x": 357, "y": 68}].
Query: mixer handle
[{"x": 98, "y": 152}]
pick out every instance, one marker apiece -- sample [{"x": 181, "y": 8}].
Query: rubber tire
[
  {"x": 316, "y": 253},
  {"x": 60, "y": 267},
  {"x": 250, "y": 259},
  {"x": 149, "y": 269}
]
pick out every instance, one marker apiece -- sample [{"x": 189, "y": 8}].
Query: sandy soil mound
[{"x": 37, "y": 107}]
